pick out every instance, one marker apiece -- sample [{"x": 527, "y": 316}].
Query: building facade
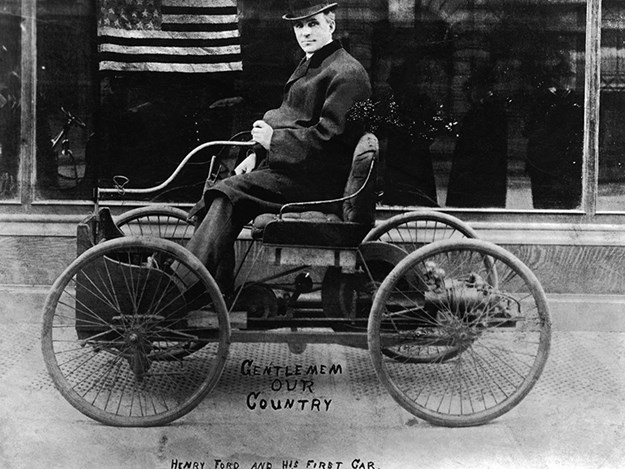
[{"x": 505, "y": 113}]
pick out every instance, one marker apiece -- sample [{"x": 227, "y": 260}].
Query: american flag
[{"x": 188, "y": 36}]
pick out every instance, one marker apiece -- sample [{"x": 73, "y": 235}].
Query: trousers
[{"x": 213, "y": 242}]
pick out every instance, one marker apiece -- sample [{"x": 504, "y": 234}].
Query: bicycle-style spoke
[
  {"x": 116, "y": 337},
  {"x": 157, "y": 221},
  {"x": 414, "y": 230},
  {"x": 494, "y": 339}
]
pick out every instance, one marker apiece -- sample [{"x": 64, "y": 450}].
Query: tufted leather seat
[{"x": 316, "y": 224}]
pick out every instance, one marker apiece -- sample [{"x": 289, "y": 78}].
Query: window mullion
[
  {"x": 28, "y": 103},
  {"x": 591, "y": 106}
]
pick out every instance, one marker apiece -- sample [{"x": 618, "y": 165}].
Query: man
[{"x": 303, "y": 148}]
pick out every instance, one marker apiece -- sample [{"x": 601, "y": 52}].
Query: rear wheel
[
  {"x": 125, "y": 342},
  {"x": 158, "y": 222},
  {"x": 500, "y": 333},
  {"x": 411, "y": 231},
  {"x": 415, "y": 229}
]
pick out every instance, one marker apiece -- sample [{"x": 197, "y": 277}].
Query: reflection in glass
[
  {"x": 506, "y": 78},
  {"x": 64, "y": 85},
  {"x": 10, "y": 91},
  {"x": 480, "y": 160},
  {"x": 481, "y": 100},
  {"x": 612, "y": 106}
]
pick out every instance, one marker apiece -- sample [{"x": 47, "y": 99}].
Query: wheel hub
[
  {"x": 139, "y": 350},
  {"x": 133, "y": 338}
]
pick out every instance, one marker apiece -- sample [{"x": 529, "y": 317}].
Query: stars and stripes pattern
[{"x": 185, "y": 36}]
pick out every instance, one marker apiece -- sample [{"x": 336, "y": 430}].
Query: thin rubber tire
[
  {"x": 490, "y": 383},
  {"x": 93, "y": 370},
  {"x": 159, "y": 221}
]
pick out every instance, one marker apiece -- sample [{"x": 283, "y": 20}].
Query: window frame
[{"x": 585, "y": 224}]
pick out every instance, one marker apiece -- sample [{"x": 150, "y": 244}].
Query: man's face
[{"x": 313, "y": 33}]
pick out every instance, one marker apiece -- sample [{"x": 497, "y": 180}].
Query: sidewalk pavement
[{"x": 573, "y": 418}]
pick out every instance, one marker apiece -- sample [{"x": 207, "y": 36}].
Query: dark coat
[
  {"x": 311, "y": 147},
  {"x": 478, "y": 176},
  {"x": 555, "y": 149}
]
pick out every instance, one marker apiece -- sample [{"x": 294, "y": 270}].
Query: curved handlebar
[{"x": 148, "y": 190}]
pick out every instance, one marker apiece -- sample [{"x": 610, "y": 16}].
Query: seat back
[
  {"x": 360, "y": 189},
  {"x": 316, "y": 223}
]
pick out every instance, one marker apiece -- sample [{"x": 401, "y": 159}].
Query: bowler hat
[{"x": 300, "y": 9}]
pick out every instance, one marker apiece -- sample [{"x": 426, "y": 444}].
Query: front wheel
[
  {"x": 500, "y": 334},
  {"x": 125, "y": 342}
]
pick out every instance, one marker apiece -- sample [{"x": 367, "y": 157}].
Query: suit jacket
[
  {"x": 310, "y": 130},
  {"x": 312, "y": 144}
]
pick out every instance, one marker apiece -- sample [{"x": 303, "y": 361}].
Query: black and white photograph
[{"x": 312, "y": 234}]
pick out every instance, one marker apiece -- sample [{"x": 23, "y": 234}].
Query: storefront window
[
  {"x": 10, "y": 91},
  {"x": 478, "y": 103},
  {"x": 490, "y": 101},
  {"x": 65, "y": 87},
  {"x": 612, "y": 107},
  {"x": 201, "y": 79}
]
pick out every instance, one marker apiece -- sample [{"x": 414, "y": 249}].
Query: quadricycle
[{"x": 457, "y": 328}]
